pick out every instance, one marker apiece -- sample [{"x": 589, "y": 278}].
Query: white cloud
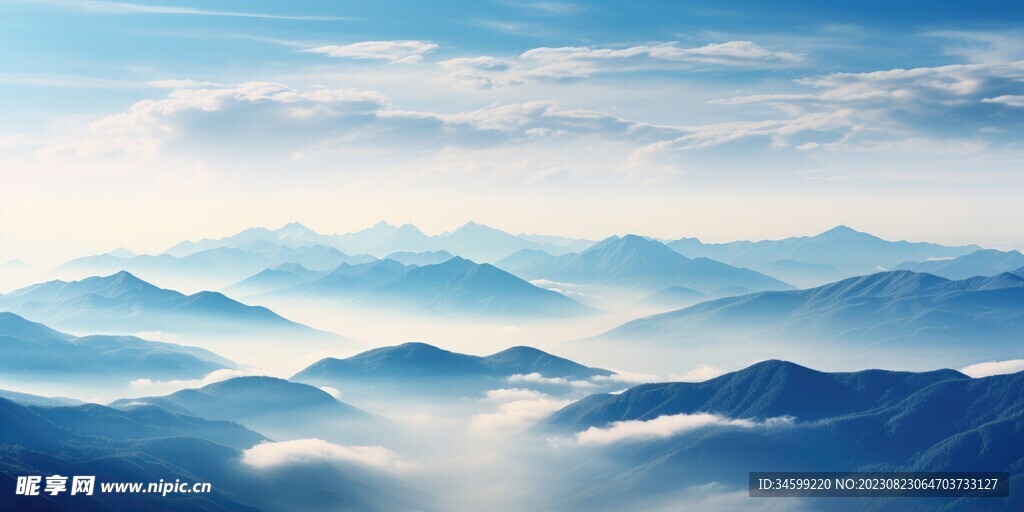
[
  {"x": 181, "y": 84},
  {"x": 664, "y": 427},
  {"x": 896, "y": 109},
  {"x": 335, "y": 392},
  {"x": 517, "y": 410},
  {"x": 544, "y": 7},
  {"x": 100, "y": 6},
  {"x": 1006, "y": 99},
  {"x": 700, "y": 373},
  {"x": 989, "y": 45},
  {"x": 536, "y": 378},
  {"x": 272, "y": 120},
  {"x": 162, "y": 387},
  {"x": 404, "y": 52},
  {"x": 190, "y": 116},
  {"x": 628, "y": 377},
  {"x": 733, "y": 53},
  {"x": 990, "y": 368},
  {"x": 158, "y": 336},
  {"x": 512, "y": 395},
  {"x": 260, "y": 124},
  {"x": 481, "y": 72},
  {"x": 305, "y": 451},
  {"x": 579, "y": 62}
]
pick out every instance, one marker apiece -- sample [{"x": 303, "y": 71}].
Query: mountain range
[
  {"x": 123, "y": 303},
  {"x": 927, "y": 318},
  {"x": 779, "y": 416},
  {"x": 849, "y": 252},
  {"x": 985, "y": 262},
  {"x": 43, "y": 401},
  {"x": 456, "y": 286},
  {"x": 276, "y": 407},
  {"x": 146, "y": 444},
  {"x": 639, "y": 263},
  {"x": 244, "y": 398},
  {"x": 419, "y": 368},
  {"x": 743, "y": 266},
  {"x": 673, "y": 297},
  {"x": 472, "y": 241},
  {"x": 287, "y": 275},
  {"x": 31, "y": 349},
  {"x": 216, "y": 266},
  {"x": 420, "y": 258}
]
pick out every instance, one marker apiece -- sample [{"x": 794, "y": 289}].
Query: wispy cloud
[
  {"x": 548, "y": 7},
  {"x": 699, "y": 373},
  {"x": 562, "y": 64},
  {"x": 517, "y": 410},
  {"x": 98, "y": 6},
  {"x": 536, "y": 378},
  {"x": 181, "y": 84},
  {"x": 151, "y": 387},
  {"x": 403, "y": 52},
  {"x": 666, "y": 426},
  {"x": 335, "y": 392},
  {"x": 1009, "y": 100},
  {"x": 989, "y": 368},
  {"x": 305, "y": 451},
  {"x": 69, "y": 81}
]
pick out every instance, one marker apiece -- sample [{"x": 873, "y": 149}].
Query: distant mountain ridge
[
  {"x": 242, "y": 398},
  {"x": 416, "y": 359},
  {"x": 461, "y": 286},
  {"x": 985, "y": 262},
  {"x": 216, "y": 264},
  {"x": 766, "y": 389},
  {"x": 849, "y": 251},
  {"x": 33, "y": 350},
  {"x": 456, "y": 286},
  {"x": 279, "y": 408},
  {"x": 270, "y": 280},
  {"x": 421, "y": 368},
  {"x": 292, "y": 234},
  {"x": 972, "y": 318},
  {"x": 124, "y": 303},
  {"x": 636, "y": 262},
  {"x": 472, "y": 241}
]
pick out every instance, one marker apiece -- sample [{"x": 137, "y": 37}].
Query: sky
[{"x": 141, "y": 124}]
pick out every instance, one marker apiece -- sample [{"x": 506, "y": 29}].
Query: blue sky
[{"x": 722, "y": 120}]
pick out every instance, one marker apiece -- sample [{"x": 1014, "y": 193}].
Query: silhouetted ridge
[{"x": 764, "y": 390}]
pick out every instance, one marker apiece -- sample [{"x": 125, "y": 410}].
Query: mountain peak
[
  {"x": 245, "y": 382},
  {"x": 409, "y": 228},
  {"x": 294, "y": 227},
  {"x": 473, "y": 227},
  {"x": 774, "y": 366},
  {"x": 521, "y": 350},
  {"x": 122, "y": 252},
  {"x": 291, "y": 267},
  {"x": 454, "y": 263},
  {"x": 634, "y": 244},
  {"x": 17, "y": 326},
  {"x": 17, "y": 265},
  {"x": 124, "y": 277},
  {"x": 843, "y": 231}
]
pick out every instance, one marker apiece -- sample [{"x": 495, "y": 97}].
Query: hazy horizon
[
  {"x": 51, "y": 256},
  {"x": 140, "y": 125}
]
